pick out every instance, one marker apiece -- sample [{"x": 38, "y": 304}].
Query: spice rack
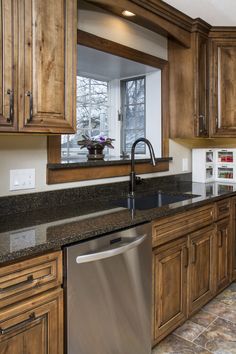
[{"x": 209, "y": 165}]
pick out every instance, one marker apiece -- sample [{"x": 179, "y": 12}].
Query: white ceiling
[
  {"x": 215, "y": 12},
  {"x": 105, "y": 66}
]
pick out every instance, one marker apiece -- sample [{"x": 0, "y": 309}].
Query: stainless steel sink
[{"x": 156, "y": 200}]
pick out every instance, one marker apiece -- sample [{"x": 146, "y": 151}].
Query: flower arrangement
[{"x": 99, "y": 141}]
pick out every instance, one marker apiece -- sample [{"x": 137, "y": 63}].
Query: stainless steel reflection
[{"x": 108, "y": 287}]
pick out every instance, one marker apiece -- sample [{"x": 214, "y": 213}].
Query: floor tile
[
  {"x": 175, "y": 345},
  {"x": 219, "y": 308},
  {"x": 219, "y": 337},
  {"x": 189, "y": 330},
  {"x": 203, "y": 318}
]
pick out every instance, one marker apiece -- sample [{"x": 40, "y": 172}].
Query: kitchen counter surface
[{"x": 28, "y": 233}]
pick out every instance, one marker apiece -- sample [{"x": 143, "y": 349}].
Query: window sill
[{"x": 87, "y": 170}]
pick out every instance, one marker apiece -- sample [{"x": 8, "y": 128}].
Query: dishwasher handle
[{"x": 91, "y": 257}]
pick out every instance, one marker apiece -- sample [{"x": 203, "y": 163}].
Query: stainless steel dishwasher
[{"x": 108, "y": 294}]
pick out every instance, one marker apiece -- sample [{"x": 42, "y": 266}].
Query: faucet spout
[{"x": 132, "y": 173}]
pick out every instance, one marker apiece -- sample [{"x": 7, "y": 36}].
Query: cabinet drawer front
[
  {"x": 223, "y": 209},
  {"x": 172, "y": 227},
  {"x": 33, "y": 326},
  {"x": 30, "y": 277}
]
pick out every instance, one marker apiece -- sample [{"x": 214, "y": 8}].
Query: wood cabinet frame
[{"x": 85, "y": 173}]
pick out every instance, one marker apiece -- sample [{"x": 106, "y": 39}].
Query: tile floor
[{"x": 211, "y": 330}]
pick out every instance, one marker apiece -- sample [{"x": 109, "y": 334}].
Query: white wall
[{"x": 31, "y": 151}]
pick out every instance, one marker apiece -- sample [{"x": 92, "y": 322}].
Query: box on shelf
[{"x": 203, "y": 165}]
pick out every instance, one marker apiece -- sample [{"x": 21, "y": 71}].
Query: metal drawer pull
[
  {"x": 186, "y": 256},
  {"x": 29, "y": 94},
  {"x": 194, "y": 253},
  {"x": 11, "y": 111},
  {"x": 29, "y": 280},
  {"x": 220, "y": 238},
  {"x": 18, "y": 325}
]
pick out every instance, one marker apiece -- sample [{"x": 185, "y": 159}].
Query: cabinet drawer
[
  {"x": 170, "y": 228},
  {"x": 30, "y": 277},
  {"x": 223, "y": 209},
  {"x": 33, "y": 326}
]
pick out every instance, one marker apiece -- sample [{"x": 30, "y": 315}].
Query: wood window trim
[{"x": 73, "y": 174}]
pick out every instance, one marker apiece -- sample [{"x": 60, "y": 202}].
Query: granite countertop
[{"x": 29, "y": 233}]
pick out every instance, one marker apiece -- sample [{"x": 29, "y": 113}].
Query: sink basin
[{"x": 156, "y": 200}]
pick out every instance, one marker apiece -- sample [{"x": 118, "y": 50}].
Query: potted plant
[{"x": 95, "y": 145}]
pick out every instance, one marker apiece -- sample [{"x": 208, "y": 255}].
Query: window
[
  {"x": 133, "y": 113},
  {"x": 92, "y": 114}
]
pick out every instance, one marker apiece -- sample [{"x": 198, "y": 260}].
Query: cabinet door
[
  {"x": 224, "y": 88},
  {"x": 223, "y": 254},
  {"x": 201, "y": 85},
  {"x": 48, "y": 36},
  {"x": 170, "y": 264},
  {"x": 201, "y": 268},
  {"x": 33, "y": 327},
  {"x": 8, "y": 56}
]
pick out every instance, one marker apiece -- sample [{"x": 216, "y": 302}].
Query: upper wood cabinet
[
  {"x": 8, "y": 67},
  {"x": 39, "y": 41},
  {"x": 223, "y": 87},
  {"x": 189, "y": 86}
]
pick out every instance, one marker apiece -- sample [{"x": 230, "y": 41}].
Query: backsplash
[{"x": 52, "y": 199}]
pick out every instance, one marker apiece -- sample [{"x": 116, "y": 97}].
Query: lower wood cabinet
[
  {"x": 189, "y": 272},
  {"x": 34, "y": 326},
  {"x": 201, "y": 268},
  {"x": 223, "y": 254},
  {"x": 170, "y": 264}
]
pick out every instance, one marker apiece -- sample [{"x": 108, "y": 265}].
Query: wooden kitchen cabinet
[
  {"x": 223, "y": 83},
  {"x": 233, "y": 262},
  {"x": 223, "y": 254},
  {"x": 31, "y": 306},
  {"x": 201, "y": 268},
  {"x": 8, "y": 68},
  {"x": 33, "y": 326},
  {"x": 38, "y": 65},
  {"x": 189, "y": 85},
  {"x": 170, "y": 264}
]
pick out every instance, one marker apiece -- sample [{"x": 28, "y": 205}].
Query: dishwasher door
[{"x": 108, "y": 294}]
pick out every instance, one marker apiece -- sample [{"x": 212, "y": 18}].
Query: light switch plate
[{"x": 22, "y": 179}]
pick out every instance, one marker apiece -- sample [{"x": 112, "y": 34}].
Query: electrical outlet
[
  {"x": 22, "y": 179},
  {"x": 184, "y": 164}
]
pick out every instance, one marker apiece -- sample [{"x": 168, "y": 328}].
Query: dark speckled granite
[{"x": 46, "y": 229}]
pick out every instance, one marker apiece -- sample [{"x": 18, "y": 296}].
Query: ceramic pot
[{"x": 95, "y": 153}]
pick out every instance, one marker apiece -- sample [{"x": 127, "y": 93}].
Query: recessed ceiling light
[{"x": 127, "y": 13}]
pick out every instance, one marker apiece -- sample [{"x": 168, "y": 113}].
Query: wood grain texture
[
  {"x": 48, "y": 65},
  {"x": 222, "y": 86},
  {"x": 42, "y": 334},
  {"x": 88, "y": 173},
  {"x": 169, "y": 288},
  {"x": 223, "y": 254},
  {"x": 188, "y": 72},
  {"x": 201, "y": 268},
  {"x": 168, "y": 229},
  {"x": 30, "y": 277},
  {"x": 8, "y": 60}
]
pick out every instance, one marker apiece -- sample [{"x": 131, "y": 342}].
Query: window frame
[
  {"x": 123, "y": 91},
  {"x": 62, "y": 173}
]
